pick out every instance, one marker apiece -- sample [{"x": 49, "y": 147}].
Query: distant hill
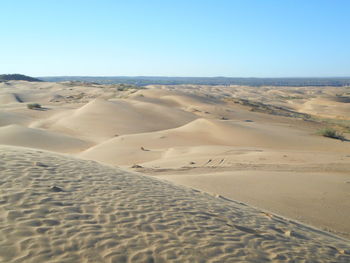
[
  {"x": 7, "y": 77},
  {"x": 149, "y": 80}
]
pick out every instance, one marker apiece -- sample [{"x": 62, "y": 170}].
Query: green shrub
[
  {"x": 331, "y": 133},
  {"x": 124, "y": 87},
  {"x": 33, "y": 106}
]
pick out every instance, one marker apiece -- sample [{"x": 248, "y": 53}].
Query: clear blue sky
[{"x": 261, "y": 38}]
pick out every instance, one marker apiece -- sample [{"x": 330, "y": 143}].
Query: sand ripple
[{"x": 55, "y": 208}]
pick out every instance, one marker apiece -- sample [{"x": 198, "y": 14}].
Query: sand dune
[
  {"x": 126, "y": 150},
  {"x": 10, "y": 98},
  {"x": 279, "y": 191},
  {"x": 331, "y": 107},
  {"x": 36, "y": 138},
  {"x": 60, "y": 209},
  {"x": 8, "y": 118},
  {"x": 22, "y": 91},
  {"x": 103, "y": 119},
  {"x": 201, "y": 136},
  {"x": 175, "y": 99}
]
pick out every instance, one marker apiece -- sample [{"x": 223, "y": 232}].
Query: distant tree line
[
  {"x": 8, "y": 77},
  {"x": 142, "y": 81}
]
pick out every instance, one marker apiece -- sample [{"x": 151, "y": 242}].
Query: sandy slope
[
  {"x": 101, "y": 119},
  {"x": 9, "y": 98},
  {"x": 55, "y": 208},
  {"x": 125, "y": 150},
  {"x": 328, "y": 107},
  {"x": 36, "y": 138},
  {"x": 8, "y": 118},
  {"x": 296, "y": 194}
]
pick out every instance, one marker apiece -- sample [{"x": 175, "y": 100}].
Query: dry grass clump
[{"x": 331, "y": 133}]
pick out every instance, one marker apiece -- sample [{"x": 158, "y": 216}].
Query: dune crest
[{"x": 101, "y": 119}]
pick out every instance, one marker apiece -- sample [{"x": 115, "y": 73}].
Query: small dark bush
[{"x": 33, "y": 106}]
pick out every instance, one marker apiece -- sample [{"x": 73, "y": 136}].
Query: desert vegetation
[
  {"x": 8, "y": 77},
  {"x": 153, "y": 80},
  {"x": 257, "y": 106},
  {"x": 331, "y": 133},
  {"x": 34, "y": 106}
]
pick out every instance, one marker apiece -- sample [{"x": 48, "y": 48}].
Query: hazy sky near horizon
[{"x": 246, "y": 38}]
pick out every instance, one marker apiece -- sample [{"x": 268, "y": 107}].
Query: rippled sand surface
[{"x": 56, "y": 208}]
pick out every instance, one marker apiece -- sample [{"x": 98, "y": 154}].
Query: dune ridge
[
  {"x": 209, "y": 132},
  {"x": 101, "y": 119},
  {"x": 56, "y": 208}
]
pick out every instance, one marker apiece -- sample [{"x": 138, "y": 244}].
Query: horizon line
[{"x": 167, "y": 76}]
